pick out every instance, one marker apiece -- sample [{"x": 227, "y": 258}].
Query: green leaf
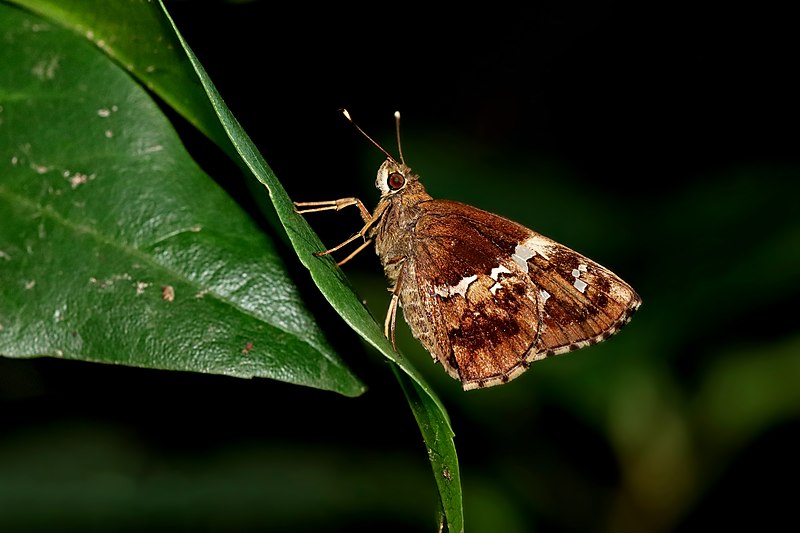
[
  {"x": 427, "y": 407},
  {"x": 115, "y": 247},
  {"x": 140, "y": 39},
  {"x": 441, "y": 449}
]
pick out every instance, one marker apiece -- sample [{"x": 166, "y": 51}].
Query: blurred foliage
[{"x": 663, "y": 146}]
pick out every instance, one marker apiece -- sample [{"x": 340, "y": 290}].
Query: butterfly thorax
[{"x": 399, "y": 208}]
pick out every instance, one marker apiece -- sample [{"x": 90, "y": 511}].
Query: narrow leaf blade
[{"x": 329, "y": 279}]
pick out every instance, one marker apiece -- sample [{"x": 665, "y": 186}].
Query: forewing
[{"x": 486, "y": 296}]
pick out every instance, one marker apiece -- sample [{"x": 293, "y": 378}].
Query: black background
[{"x": 637, "y": 107}]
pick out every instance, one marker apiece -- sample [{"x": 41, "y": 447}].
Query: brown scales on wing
[{"x": 485, "y": 295}]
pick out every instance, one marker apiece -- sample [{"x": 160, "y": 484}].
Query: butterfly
[{"x": 486, "y": 296}]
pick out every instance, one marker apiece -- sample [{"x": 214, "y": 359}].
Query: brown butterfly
[{"x": 484, "y": 295}]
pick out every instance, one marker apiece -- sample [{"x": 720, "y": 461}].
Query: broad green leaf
[
  {"x": 138, "y": 37},
  {"x": 115, "y": 247},
  {"x": 427, "y": 407}
]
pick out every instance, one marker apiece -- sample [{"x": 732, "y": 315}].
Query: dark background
[{"x": 660, "y": 141}]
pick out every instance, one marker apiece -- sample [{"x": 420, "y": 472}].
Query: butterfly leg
[
  {"x": 391, "y": 313},
  {"x": 336, "y": 205},
  {"x": 333, "y": 205},
  {"x": 391, "y": 316},
  {"x": 353, "y": 254}
]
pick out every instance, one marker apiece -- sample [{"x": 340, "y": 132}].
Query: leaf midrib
[{"x": 135, "y": 253}]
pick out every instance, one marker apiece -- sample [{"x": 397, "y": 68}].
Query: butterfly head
[{"x": 393, "y": 177}]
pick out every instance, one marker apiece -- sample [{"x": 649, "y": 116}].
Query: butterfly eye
[{"x": 396, "y": 181}]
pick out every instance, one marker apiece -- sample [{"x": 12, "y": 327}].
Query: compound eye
[{"x": 395, "y": 181}]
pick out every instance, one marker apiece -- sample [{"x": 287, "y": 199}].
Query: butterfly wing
[{"x": 502, "y": 295}]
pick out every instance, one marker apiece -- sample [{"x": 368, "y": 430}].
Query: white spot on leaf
[
  {"x": 46, "y": 69},
  {"x": 167, "y": 293},
  {"x": 78, "y": 179}
]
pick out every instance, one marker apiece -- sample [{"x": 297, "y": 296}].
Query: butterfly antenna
[
  {"x": 397, "y": 128},
  {"x": 348, "y": 117}
]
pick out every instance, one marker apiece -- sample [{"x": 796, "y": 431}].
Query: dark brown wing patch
[{"x": 494, "y": 296}]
